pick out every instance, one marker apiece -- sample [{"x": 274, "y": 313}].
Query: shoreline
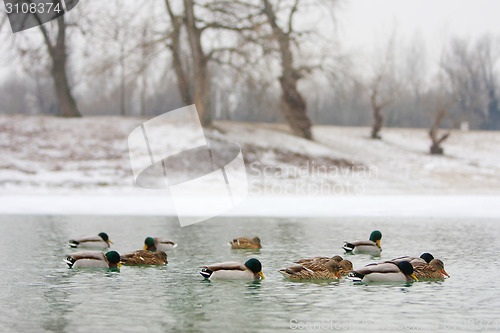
[{"x": 478, "y": 206}]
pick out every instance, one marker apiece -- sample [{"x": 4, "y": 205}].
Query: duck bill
[
  {"x": 444, "y": 272},
  {"x": 145, "y": 247},
  {"x": 378, "y": 243},
  {"x": 118, "y": 265},
  {"x": 413, "y": 276},
  {"x": 261, "y": 275},
  {"x": 110, "y": 241}
]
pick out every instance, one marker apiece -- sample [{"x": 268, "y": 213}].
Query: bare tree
[
  {"x": 488, "y": 54},
  {"x": 439, "y": 102},
  {"x": 294, "y": 105},
  {"x": 197, "y": 17},
  {"x": 441, "y": 109},
  {"x": 470, "y": 68},
  {"x": 57, "y": 50},
  {"x": 382, "y": 86},
  {"x": 378, "y": 103}
]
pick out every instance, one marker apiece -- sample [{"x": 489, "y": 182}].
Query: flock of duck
[{"x": 402, "y": 269}]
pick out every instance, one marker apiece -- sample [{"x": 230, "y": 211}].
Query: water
[{"x": 39, "y": 293}]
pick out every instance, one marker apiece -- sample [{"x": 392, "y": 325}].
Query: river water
[{"x": 39, "y": 293}]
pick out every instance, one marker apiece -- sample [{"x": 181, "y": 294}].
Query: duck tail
[
  {"x": 206, "y": 272},
  {"x": 73, "y": 243},
  {"x": 348, "y": 247},
  {"x": 355, "y": 276},
  {"x": 70, "y": 261},
  {"x": 285, "y": 272}
]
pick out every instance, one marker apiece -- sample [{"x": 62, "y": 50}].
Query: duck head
[
  {"x": 407, "y": 269},
  {"x": 105, "y": 237},
  {"x": 149, "y": 244},
  {"x": 438, "y": 265},
  {"x": 376, "y": 236},
  {"x": 333, "y": 267},
  {"x": 255, "y": 266},
  {"x": 427, "y": 257},
  {"x": 256, "y": 240},
  {"x": 337, "y": 258},
  {"x": 113, "y": 257}
]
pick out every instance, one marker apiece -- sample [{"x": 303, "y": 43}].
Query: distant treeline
[{"x": 244, "y": 61}]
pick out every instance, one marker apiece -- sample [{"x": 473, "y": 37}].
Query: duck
[
  {"x": 251, "y": 270},
  {"x": 158, "y": 244},
  {"x": 246, "y": 243},
  {"x": 424, "y": 258},
  {"x": 385, "y": 272},
  {"x": 144, "y": 257},
  {"x": 371, "y": 246},
  {"x": 345, "y": 266},
  {"x": 100, "y": 241},
  {"x": 93, "y": 259},
  {"x": 313, "y": 270},
  {"x": 432, "y": 270}
]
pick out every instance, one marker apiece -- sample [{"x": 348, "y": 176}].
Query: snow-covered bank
[
  {"x": 89, "y": 156},
  {"x": 343, "y": 206}
]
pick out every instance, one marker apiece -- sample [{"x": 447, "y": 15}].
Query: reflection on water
[{"x": 39, "y": 292}]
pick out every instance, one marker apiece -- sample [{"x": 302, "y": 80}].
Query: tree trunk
[
  {"x": 122, "y": 83},
  {"x": 442, "y": 110},
  {"x": 202, "y": 96},
  {"x": 436, "y": 150},
  {"x": 295, "y": 108},
  {"x": 175, "y": 48},
  {"x": 67, "y": 104},
  {"x": 378, "y": 122}
]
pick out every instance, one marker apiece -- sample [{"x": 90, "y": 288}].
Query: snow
[
  {"x": 62, "y": 166},
  {"x": 344, "y": 206}
]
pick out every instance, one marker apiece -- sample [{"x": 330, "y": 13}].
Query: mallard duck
[
  {"x": 143, "y": 257},
  {"x": 384, "y": 272},
  {"x": 246, "y": 243},
  {"x": 158, "y": 244},
  {"x": 371, "y": 246},
  {"x": 100, "y": 241},
  {"x": 345, "y": 266},
  {"x": 252, "y": 269},
  {"x": 313, "y": 270},
  {"x": 93, "y": 259},
  {"x": 432, "y": 270},
  {"x": 424, "y": 259}
]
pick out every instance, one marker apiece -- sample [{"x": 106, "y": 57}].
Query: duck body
[
  {"x": 246, "y": 243},
  {"x": 93, "y": 259},
  {"x": 384, "y": 272},
  {"x": 345, "y": 266},
  {"x": 158, "y": 244},
  {"x": 371, "y": 246},
  {"x": 250, "y": 270},
  {"x": 432, "y": 270},
  {"x": 321, "y": 259},
  {"x": 143, "y": 257},
  {"x": 313, "y": 270},
  {"x": 94, "y": 242}
]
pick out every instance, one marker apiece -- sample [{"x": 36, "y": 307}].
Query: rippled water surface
[{"x": 39, "y": 293}]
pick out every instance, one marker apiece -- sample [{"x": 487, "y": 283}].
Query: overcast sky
[
  {"x": 364, "y": 23},
  {"x": 360, "y": 21}
]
